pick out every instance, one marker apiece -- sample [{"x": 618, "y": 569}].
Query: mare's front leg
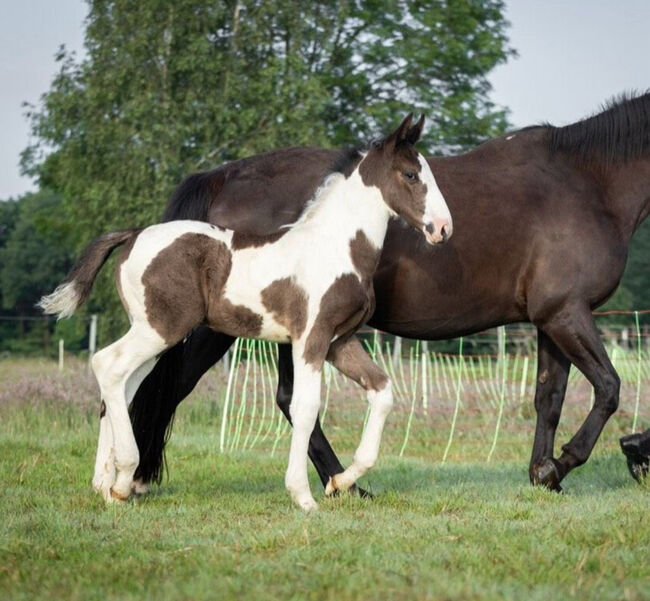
[
  {"x": 350, "y": 358},
  {"x": 304, "y": 412},
  {"x": 574, "y": 332},
  {"x": 552, "y": 377}
]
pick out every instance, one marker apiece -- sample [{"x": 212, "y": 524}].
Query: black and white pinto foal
[{"x": 310, "y": 284}]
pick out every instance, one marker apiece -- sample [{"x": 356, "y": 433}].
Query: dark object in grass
[
  {"x": 547, "y": 474},
  {"x": 636, "y": 448}
]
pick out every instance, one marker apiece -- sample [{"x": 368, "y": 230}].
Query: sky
[{"x": 573, "y": 56}]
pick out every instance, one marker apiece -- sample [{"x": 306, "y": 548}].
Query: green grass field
[{"x": 222, "y": 527}]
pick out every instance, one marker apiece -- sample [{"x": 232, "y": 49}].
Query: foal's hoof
[
  {"x": 546, "y": 474},
  {"x": 116, "y": 497},
  {"x": 332, "y": 489},
  {"x": 637, "y": 463}
]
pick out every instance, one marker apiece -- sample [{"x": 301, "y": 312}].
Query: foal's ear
[
  {"x": 399, "y": 135},
  {"x": 413, "y": 134}
]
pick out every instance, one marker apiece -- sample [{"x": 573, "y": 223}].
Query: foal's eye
[{"x": 410, "y": 176}]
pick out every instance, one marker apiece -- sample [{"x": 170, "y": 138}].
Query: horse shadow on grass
[
  {"x": 606, "y": 472},
  {"x": 232, "y": 476}
]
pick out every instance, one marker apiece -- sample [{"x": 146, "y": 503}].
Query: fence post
[
  {"x": 60, "y": 354},
  {"x": 92, "y": 338},
  {"x": 397, "y": 349}
]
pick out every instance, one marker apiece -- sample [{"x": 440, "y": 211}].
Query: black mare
[{"x": 543, "y": 221}]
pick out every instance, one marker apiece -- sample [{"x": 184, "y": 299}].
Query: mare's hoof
[
  {"x": 546, "y": 474},
  {"x": 637, "y": 463},
  {"x": 362, "y": 492}
]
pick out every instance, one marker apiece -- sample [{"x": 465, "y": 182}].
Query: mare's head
[{"x": 406, "y": 182}]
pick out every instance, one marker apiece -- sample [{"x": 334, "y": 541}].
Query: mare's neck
[
  {"x": 347, "y": 206},
  {"x": 628, "y": 194}
]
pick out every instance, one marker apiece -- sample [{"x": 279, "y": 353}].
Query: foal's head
[{"x": 406, "y": 182}]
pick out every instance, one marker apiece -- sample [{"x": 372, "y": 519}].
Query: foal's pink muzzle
[{"x": 438, "y": 231}]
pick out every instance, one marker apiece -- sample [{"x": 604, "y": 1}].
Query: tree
[
  {"x": 34, "y": 257},
  {"x": 174, "y": 86}
]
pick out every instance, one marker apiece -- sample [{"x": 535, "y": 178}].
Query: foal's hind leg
[
  {"x": 351, "y": 359},
  {"x": 105, "y": 460},
  {"x": 113, "y": 366}
]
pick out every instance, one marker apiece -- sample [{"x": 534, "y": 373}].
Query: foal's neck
[{"x": 346, "y": 205}]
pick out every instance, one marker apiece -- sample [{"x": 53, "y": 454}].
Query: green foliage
[
  {"x": 171, "y": 87},
  {"x": 34, "y": 256}
]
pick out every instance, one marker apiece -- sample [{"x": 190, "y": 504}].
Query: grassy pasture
[{"x": 222, "y": 527}]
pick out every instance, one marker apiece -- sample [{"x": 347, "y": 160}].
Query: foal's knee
[{"x": 382, "y": 399}]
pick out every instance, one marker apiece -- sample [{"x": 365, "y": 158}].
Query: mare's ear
[
  {"x": 413, "y": 134},
  {"x": 399, "y": 135}
]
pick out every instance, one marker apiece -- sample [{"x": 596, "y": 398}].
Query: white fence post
[
  {"x": 92, "y": 338},
  {"x": 397, "y": 349}
]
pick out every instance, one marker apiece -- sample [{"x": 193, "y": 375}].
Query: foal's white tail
[{"x": 76, "y": 287}]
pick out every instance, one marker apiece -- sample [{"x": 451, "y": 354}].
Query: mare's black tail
[{"x": 154, "y": 404}]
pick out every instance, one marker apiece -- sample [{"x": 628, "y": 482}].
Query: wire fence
[
  {"x": 471, "y": 401},
  {"x": 452, "y": 406}
]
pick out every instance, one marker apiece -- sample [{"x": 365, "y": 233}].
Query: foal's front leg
[
  {"x": 305, "y": 404},
  {"x": 350, "y": 358}
]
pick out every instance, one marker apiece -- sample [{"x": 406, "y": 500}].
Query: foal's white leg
[
  {"x": 305, "y": 403},
  {"x": 132, "y": 385},
  {"x": 113, "y": 367},
  {"x": 104, "y": 476},
  {"x": 365, "y": 457},
  {"x": 351, "y": 359}
]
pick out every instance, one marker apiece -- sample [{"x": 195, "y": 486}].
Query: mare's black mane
[
  {"x": 618, "y": 134},
  {"x": 346, "y": 161}
]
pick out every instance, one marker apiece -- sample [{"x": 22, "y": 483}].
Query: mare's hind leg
[
  {"x": 105, "y": 460},
  {"x": 351, "y": 359},
  {"x": 113, "y": 366},
  {"x": 552, "y": 376},
  {"x": 573, "y": 331}
]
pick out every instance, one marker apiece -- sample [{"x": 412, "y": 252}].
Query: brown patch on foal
[
  {"x": 343, "y": 308},
  {"x": 287, "y": 302},
  {"x": 365, "y": 255},
  {"x": 389, "y": 178},
  {"x": 351, "y": 359},
  {"x": 241, "y": 240},
  {"x": 184, "y": 287}
]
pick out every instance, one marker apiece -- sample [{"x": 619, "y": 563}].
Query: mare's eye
[{"x": 410, "y": 176}]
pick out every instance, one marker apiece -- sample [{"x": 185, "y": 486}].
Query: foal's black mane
[{"x": 620, "y": 133}]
